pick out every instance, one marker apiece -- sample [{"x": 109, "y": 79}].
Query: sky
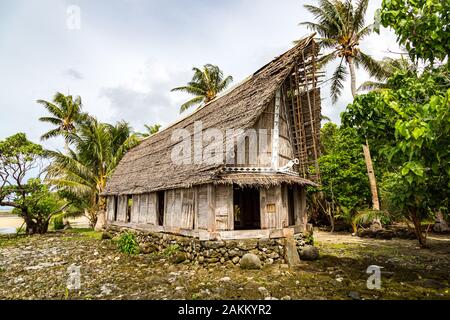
[{"x": 124, "y": 56}]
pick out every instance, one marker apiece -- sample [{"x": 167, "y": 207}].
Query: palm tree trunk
[
  {"x": 366, "y": 149},
  {"x": 351, "y": 65}
]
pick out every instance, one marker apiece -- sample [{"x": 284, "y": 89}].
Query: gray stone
[
  {"x": 250, "y": 261},
  {"x": 265, "y": 293},
  {"x": 213, "y": 244},
  {"x": 354, "y": 295},
  {"x": 309, "y": 253},
  {"x": 247, "y": 245},
  {"x": 273, "y": 255}
]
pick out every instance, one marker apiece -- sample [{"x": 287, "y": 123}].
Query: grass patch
[
  {"x": 87, "y": 232},
  {"x": 12, "y": 240}
]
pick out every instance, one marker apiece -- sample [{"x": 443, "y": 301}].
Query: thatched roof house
[{"x": 194, "y": 195}]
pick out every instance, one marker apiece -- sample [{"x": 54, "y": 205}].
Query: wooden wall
[
  {"x": 274, "y": 211},
  {"x": 285, "y": 149},
  {"x": 209, "y": 208}
]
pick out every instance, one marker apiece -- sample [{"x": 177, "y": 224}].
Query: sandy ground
[{"x": 10, "y": 222}]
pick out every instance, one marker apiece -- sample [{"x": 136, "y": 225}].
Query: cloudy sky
[{"x": 128, "y": 54}]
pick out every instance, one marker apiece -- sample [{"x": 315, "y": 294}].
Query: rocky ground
[{"x": 37, "y": 268}]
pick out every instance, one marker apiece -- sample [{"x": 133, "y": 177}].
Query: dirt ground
[{"x": 37, "y": 268}]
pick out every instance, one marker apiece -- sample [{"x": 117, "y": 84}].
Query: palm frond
[
  {"x": 372, "y": 85},
  {"x": 367, "y": 216},
  {"x": 190, "y": 103},
  {"x": 373, "y": 67},
  {"x": 337, "y": 81}
]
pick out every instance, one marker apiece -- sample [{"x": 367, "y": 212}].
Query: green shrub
[
  {"x": 171, "y": 250},
  {"x": 127, "y": 243},
  {"x": 58, "y": 223}
]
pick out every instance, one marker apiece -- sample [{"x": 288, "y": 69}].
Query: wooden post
[{"x": 276, "y": 131}]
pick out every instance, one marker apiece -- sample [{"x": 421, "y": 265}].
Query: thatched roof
[{"x": 148, "y": 167}]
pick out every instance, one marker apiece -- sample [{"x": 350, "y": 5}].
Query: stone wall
[{"x": 186, "y": 249}]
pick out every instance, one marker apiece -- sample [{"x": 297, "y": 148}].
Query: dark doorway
[
  {"x": 161, "y": 208},
  {"x": 291, "y": 209},
  {"x": 247, "y": 215},
  {"x": 116, "y": 207},
  {"x": 129, "y": 206}
]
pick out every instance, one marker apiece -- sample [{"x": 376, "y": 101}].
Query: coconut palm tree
[
  {"x": 151, "y": 130},
  {"x": 341, "y": 27},
  {"x": 205, "y": 85},
  {"x": 64, "y": 111},
  {"x": 82, "y": 173}
]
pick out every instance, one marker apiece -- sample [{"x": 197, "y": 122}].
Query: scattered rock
[
  {"x": 354, "y": 295},
  {"x": 225, "y": 279},
  {"x": 309, "y": 253},
  {"x": 265, "y": 293},
  {"x": 179, "y": 257},
  {"x": 250, "y": 261}
]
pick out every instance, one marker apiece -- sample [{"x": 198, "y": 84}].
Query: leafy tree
[
  {"x": 409, "y": 125},
  {"x": 82, "y": 174},
  {"x": 422, "y": 26},
  {"x": 344, "y": 180},
  {"x": 205, "y": 85},
  {"x": 19, "y": 159},
  {"x": 65, "y": 112}
]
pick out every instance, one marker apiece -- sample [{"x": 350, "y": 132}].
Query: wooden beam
[{"x": 276, "y": 131}]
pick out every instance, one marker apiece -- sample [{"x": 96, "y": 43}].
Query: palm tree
[
  {"x": 82, "y": 173},
  {"x": 151, "y": 130},
  {"x": 390, "y": 67},
  {"x": 341, "y": 27},
  {"x": 64, "y": 111},
  {"x": 205, "y": 85}
]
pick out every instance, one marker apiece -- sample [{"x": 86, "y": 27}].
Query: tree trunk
[
  {"x": 376, "y": 224},
  {"x": 351, "y": 65},
  {"x": 418, "y": 228}
]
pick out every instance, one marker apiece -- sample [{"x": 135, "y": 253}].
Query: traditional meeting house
[{"x": 239, "y": 196}]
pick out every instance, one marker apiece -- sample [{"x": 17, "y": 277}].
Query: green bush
[
  {"x": 171, "y": 250},
  {"x": 58, "y": 223},
  {"x": 128, "y": 244}
]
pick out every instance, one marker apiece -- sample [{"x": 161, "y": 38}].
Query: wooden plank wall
[
  {"x": 274, "y": 208},
  {"x": 301, "y": 215},
  {"x": 180, "y": 209},
  {"x": 135, "y": 209},
  {"x": 210, "y": 208},
  {"x": 202, "y": 221},
  {"x": 122, "y": 209},
  {"x": 224, "y": 219},
  {"x": 110, "y": 208},
  {"x": 266, "y": 121}
]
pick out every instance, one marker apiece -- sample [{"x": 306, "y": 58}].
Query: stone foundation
[{"x": 186, "y": 249}]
